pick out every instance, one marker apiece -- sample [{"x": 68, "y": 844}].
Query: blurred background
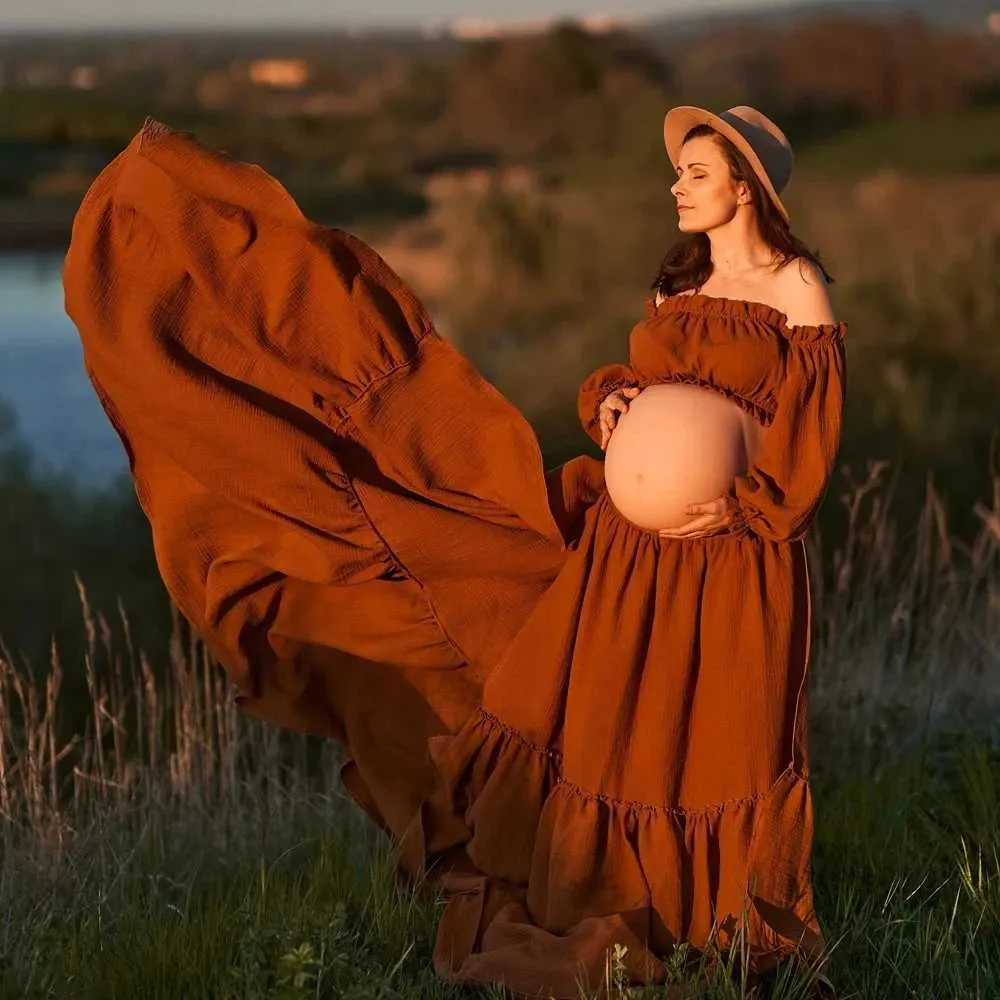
[{"x": 512, "y": 170}]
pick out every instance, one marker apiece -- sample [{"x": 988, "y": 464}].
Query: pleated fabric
[{"x": 583, "y": 734}]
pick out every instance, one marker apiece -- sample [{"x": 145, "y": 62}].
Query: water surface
[{"x": 42, "y": 375}]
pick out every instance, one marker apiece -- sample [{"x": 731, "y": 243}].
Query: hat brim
[{"x": 680, "y": 120}]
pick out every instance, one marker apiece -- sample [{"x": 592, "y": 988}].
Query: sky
[{"x": 70, "y": 14}]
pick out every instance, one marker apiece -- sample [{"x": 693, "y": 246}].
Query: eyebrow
[{"x": 693, "y": 165}]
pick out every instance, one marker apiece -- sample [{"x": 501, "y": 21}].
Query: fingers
[
  {"x": 684, "y": 530},
  {"x": 706, "y": 524},
  {"x": 614, "y": 406},
  {"x": 671, "y": 533},
  {"x": 608, "y": 417},
  {"x": 619, "y": 399},
  {"x": 716, "y": 507},
  {"x": 607, "y": 426},
  {"x": 620, "y": 408}
]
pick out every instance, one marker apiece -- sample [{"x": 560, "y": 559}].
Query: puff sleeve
[
  {"x": 597, "y": 387},
  {"x": 779, "y": 494}
]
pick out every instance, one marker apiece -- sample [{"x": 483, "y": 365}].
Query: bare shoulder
[{"x": 804, "y": 294}]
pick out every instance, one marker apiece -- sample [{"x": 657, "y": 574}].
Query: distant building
[
  {"x": 471, "y": 29},
  {"x": 289, "y": 73}
]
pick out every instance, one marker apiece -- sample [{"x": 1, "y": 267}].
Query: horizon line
[{"x": 403, "y": 25}]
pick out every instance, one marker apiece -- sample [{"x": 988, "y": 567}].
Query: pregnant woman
[{"x": 576, "y": 699}]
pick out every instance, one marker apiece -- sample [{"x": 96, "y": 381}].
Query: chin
[{"x": 688, "y": 227}]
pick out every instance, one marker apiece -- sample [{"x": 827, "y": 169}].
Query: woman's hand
[
  {"x": 612, "y": 406},
  {"x": 712, "y": 518}
]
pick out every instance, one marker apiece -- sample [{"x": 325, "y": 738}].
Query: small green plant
[{"x": 299, "y": 971}]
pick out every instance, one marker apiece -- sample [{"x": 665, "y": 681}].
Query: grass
[{"x": 175, "y": 849}]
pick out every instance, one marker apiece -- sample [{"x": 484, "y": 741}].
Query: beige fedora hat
[{"x": 752, "y": 133}]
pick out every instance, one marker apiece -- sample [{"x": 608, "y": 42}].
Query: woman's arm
[{"x": 779, "y": 494}]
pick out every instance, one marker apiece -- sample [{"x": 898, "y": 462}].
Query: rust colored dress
[{"x": 583, "y": 733}]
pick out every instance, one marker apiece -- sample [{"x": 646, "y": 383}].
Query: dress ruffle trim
[
  {"x": 713, "y": 305},
  {"x": 666, "y": 873}
]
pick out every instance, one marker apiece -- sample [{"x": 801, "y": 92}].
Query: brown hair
[{"x": 688, "y": 263}]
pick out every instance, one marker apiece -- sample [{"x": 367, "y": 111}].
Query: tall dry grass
[
  {"x": 146, "y": 744},
  {"x": 908, "y": 626}
]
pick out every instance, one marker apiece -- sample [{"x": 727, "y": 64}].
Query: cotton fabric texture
[{"x": 582, "y": 733}]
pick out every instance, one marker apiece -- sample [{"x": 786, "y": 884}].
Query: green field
[{"x": 964, "y": 142}]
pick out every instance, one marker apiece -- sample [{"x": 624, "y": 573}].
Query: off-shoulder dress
[{"x": 583, "y": 733}]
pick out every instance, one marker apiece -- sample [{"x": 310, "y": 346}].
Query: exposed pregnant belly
[{"x": 677, "y": 444}]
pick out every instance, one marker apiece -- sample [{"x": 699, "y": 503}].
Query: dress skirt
[
  {"x": 584, "y": 734},
  {"x": 636, "y": 772}
]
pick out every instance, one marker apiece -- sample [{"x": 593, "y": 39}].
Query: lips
[{"x": 683, "y": 208}]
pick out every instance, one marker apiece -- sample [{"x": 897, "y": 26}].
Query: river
[{"x": 42, "y": 377}]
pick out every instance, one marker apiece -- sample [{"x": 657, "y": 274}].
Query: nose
[{"x": 675, "y": 187}]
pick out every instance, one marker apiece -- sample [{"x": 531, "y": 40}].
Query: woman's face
[{"x": 707, "y": 196}]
